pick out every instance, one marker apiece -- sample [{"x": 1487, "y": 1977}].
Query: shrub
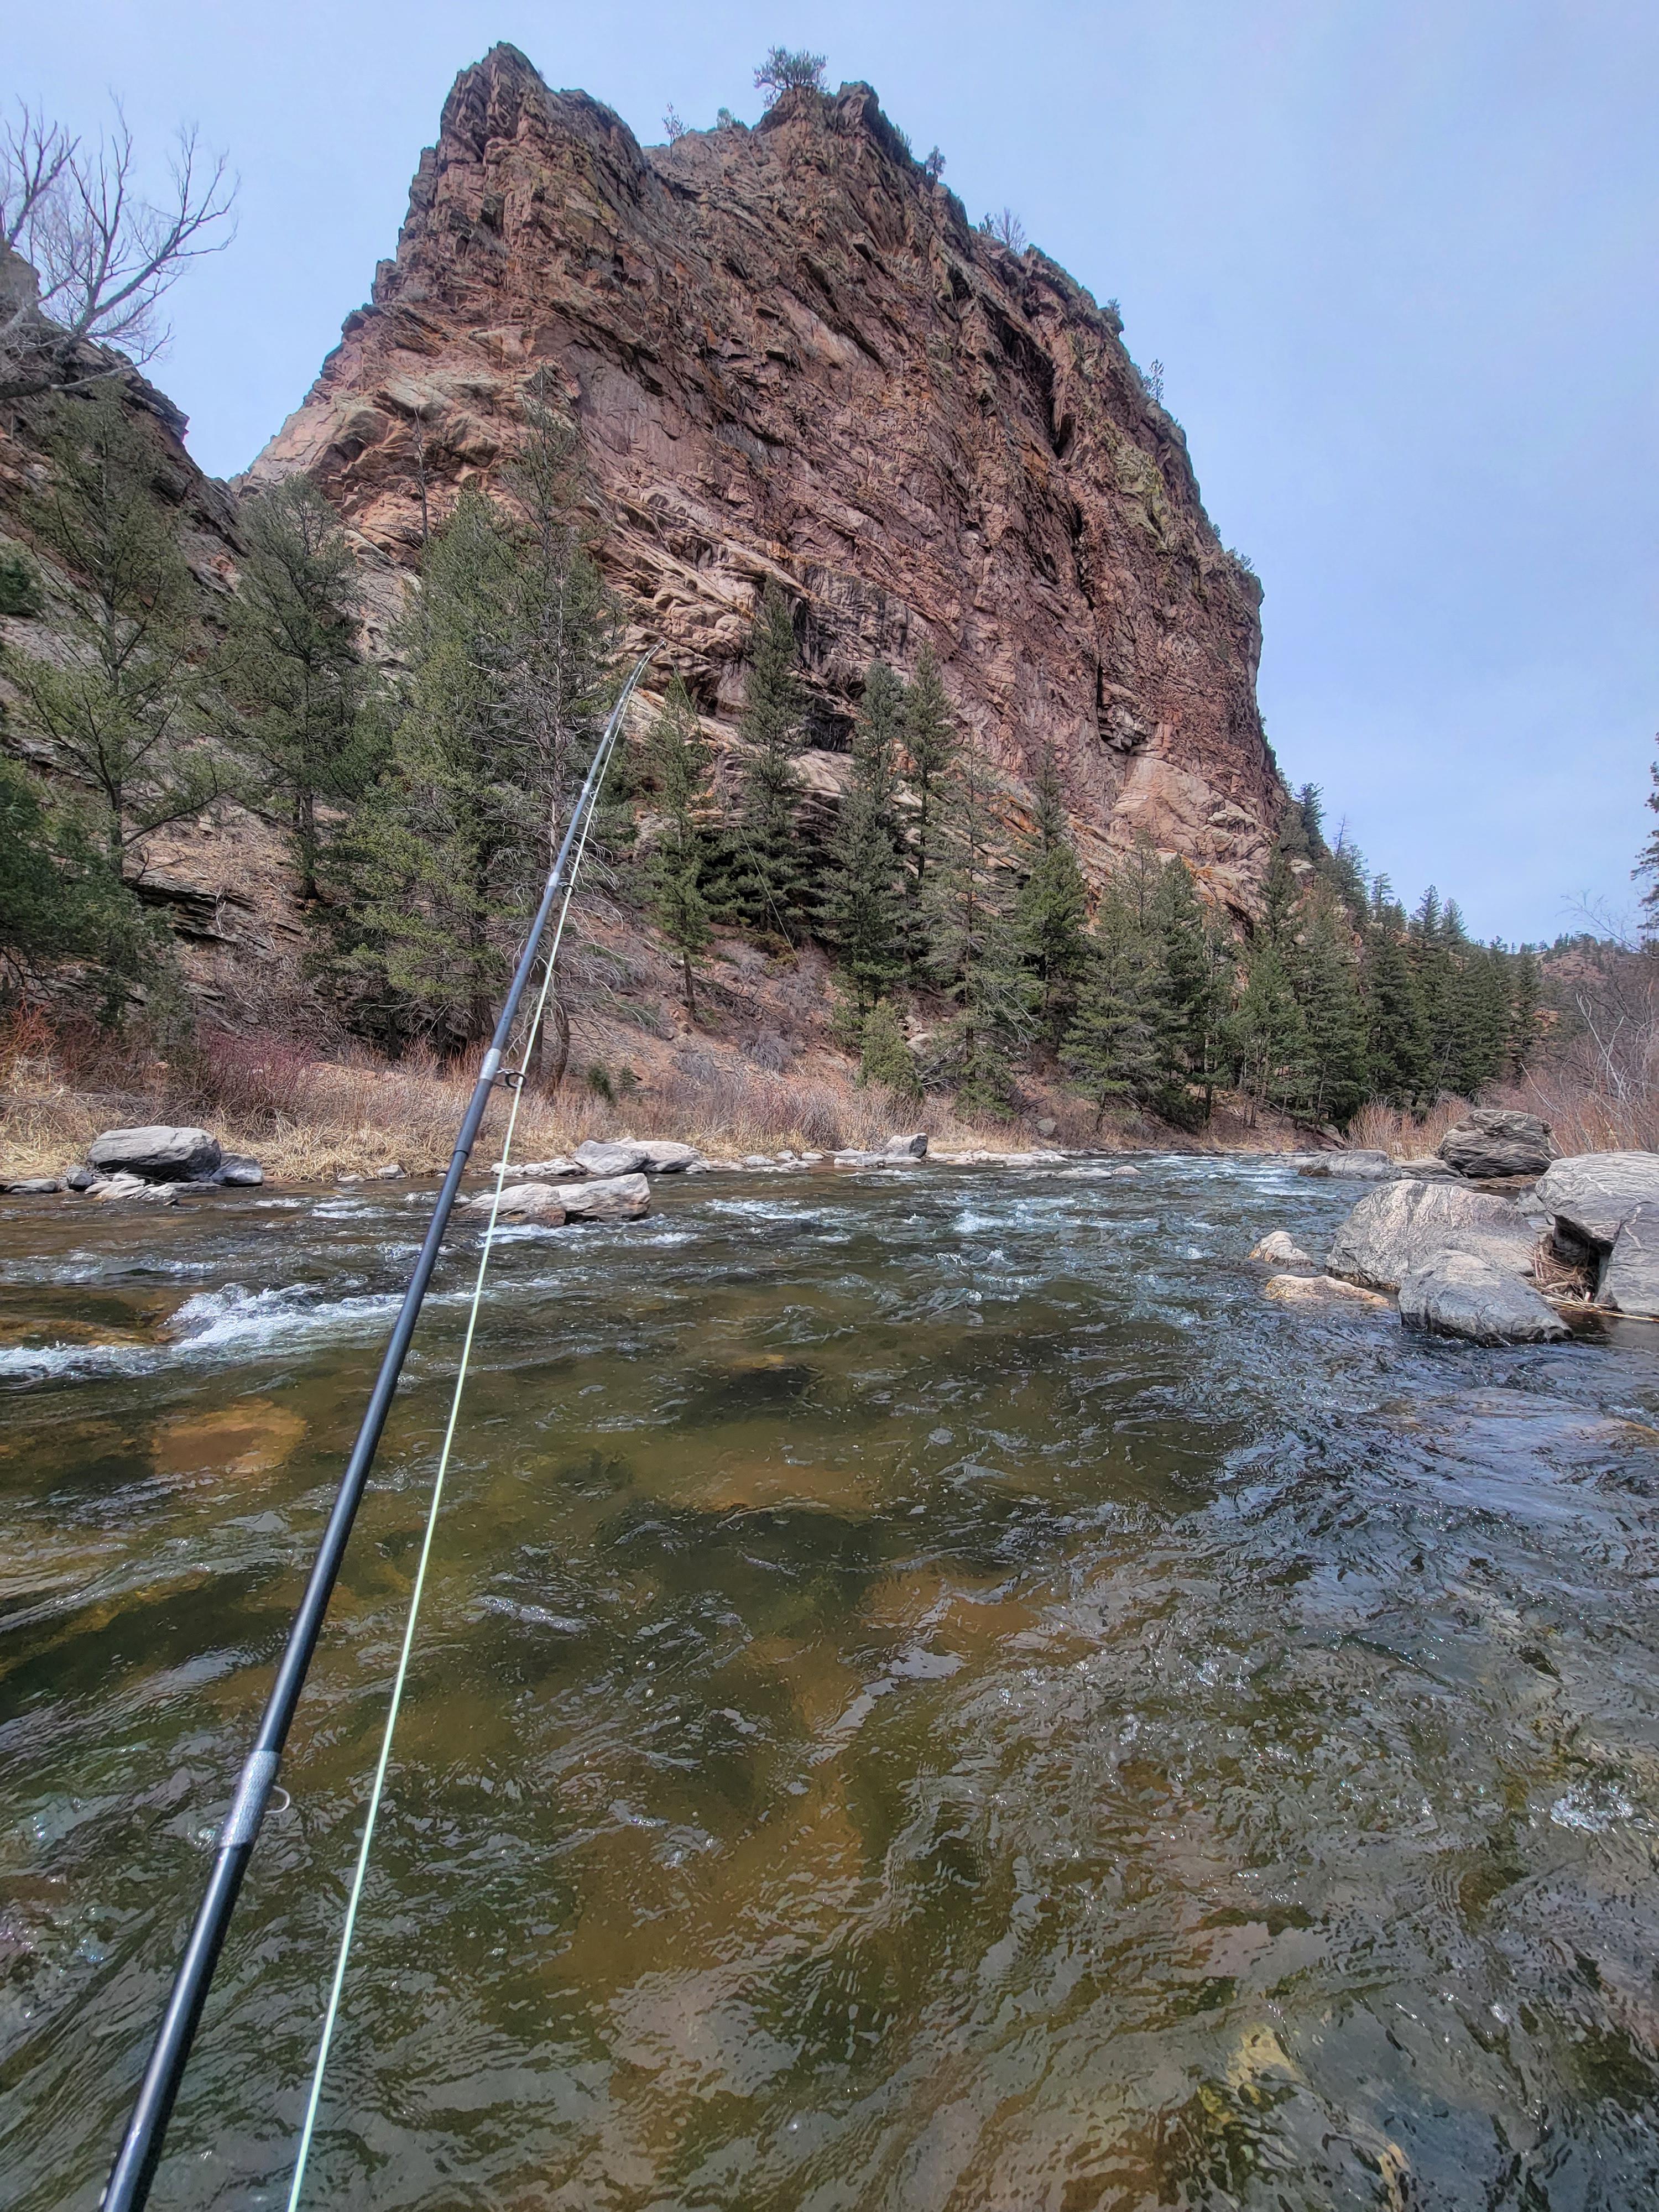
[
  {"x": 21, "y": 592},
  {"x": 885, "y": 1055},
  {"x": 786, "y": 71}
]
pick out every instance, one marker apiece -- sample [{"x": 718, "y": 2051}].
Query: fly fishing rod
[{"x": 128, "y": 2187}]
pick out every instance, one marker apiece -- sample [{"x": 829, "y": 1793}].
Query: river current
[{"x": 933, "y": 1693}]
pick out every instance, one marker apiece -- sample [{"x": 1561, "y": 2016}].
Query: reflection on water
[{"x": 934, "y": 1694}]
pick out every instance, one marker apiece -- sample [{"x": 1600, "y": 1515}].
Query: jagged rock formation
[{"x": 789, "y": 355}]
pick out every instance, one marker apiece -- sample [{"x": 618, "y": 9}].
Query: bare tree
[
  {"x": 673, "y": 128},
  {"x": 99, "y": 256},
  {"x": 1006, "y": 229}
]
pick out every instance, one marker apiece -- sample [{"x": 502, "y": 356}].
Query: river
[{"x": 933, "y": 1693}]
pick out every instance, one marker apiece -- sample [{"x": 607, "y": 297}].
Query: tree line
[{"x": 422, "y": 804}]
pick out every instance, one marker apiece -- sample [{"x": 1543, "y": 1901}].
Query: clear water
[{"x": 934, "y": 1694}]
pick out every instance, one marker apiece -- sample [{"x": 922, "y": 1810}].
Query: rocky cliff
[{"x": 790, "y": 355}]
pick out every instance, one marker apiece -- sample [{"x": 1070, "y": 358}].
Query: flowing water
[{"x": 933, "y": 1693}]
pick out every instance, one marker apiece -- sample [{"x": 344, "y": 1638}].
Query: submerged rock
[
  {"x": 1356, "y": 1167},
  {"x": 1318, "y": 1290},
  {"x": 1405, "y": 1226},
  {"x": 1629, "y": 1279},
  {"x": 1280, "y": 1249},
  {"x": 158, "y": 1153},
  {"x": 1498, "y": 1140},
  {"x": 1458, "y": 1293}
]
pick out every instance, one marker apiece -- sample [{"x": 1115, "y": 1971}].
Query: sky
[{"x": 1397, "y": 257}]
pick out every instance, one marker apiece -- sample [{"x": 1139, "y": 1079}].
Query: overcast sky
[{"x": 1396, "y": 256}]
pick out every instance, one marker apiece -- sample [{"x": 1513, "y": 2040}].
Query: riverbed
[{"x": 933, "y": 1692}]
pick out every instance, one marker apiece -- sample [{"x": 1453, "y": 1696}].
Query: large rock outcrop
[{"x": 790, "y": 355}]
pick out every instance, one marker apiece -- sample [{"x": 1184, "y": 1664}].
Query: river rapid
[{"x": 932, "y": 1692}]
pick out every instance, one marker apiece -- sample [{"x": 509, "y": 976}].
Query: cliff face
[{"x": 789, "y": 355}]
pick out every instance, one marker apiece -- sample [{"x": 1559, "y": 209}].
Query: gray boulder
[
  {"x": 595, "y": 1158},
  {"x": 1459, "y": 1293},
  {"x": 1498, "y": 1140},
  {"x": 1404, "y": 1226},
  {"x": 607, "y": 1198},
  {"x": 80, "y": 1178},
  {"x": 241, "y": 1173},
  {"x": 1428, "y": 1169},
  {"x": 158, "y": 1153},
  {"x": 908, "y": 1148},
  {"x": 1592, "y": 1194},
  {"x": 533, "y": 1201},
  {"x": 1630, "y": 1277},
  {"x": 1352, "y": 1167},
  {"x": 34, "y": 1186},
  {"x": 558, "y": 1169},
  {"x": 663, "y": 1157}
]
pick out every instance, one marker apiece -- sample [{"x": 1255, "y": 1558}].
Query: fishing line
[{"x": 417, "y": 1591}]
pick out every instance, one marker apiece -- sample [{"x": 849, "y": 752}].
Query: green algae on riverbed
[{"x": 934, "y": 1692}]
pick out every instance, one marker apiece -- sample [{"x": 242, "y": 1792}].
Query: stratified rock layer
[{"x": 790, "y": 355}]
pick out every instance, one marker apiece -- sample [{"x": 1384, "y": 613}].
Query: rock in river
[
  {"x": 1459, "y": 1293},
  {"x": 1498, "y": 1140},
  {"x": 158, "y": 1153},
  {"x": 607, "y": 1198},
  {"x": 1593, "y": 1194},
  {"x": 1630, "y": 1280},
  {"x": 1280, "y": 1249},
  {"x": 525, "y": 1201},
  {"x": 1319, "y": 1291},
  {"x": 240, "y": 1172},
  {"x": 619, "y": 1159},
  {"x": 1404, "y": 1226},
  {"x": 664, "y": 1157},
  {"x": 1356, "y": 1167}
]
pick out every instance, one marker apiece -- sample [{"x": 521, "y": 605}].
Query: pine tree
[
  {"x": 1648, "y": 864},
  {"x": 973, "y": 953},
  {"x": 931, "y": 744},
  {"x": 436, "y": 860},
  {"x": 1324, "y": 977},
  {"x": 769, "y": 882},
  {"x": 63, "y": 903},
  {"x": 885, "y": 1059},
  {"x": 1113, "y": 1048},
  {"x": 1525, "y": 992},
  {"x": 115, "y": 708},
  {"x": 679, "y": 760},
  {"x": 863, "y": 909},
  {"x": 1398, "y": 1047},
  {"x": 1270, "y": 1036},
  {"x": 298, "y": 693},
  {"x": 1197, "y": 990},
  {"x": 1053, "y": 909}
]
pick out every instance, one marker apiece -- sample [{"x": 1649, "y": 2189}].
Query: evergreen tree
[
  {"x": 1398, "y": 1047},
  {"x": 1525, "y": 992},
  {"x": 64, "y": 904},
  {"x": 1197, "y": 988},
  {"x": 679, "y": 761},
  {"x": 931, "y": 744},
  {"x": 885, "y": 1055},
  {"x": 863, "y": 909},
  {"x": 973, "y": 952},
  {"x": 1324, "y": 977},
  {"x": 1113, "y": 1046},
  {"x": 115, "y": 708},
  {"x": 1648, "y": 864},
  {"x": 1347, "y": 879},
  {"x": 1053, "y": 910},
  {"x": 769, "y": 883},
  {"x": 289, "y": 669},
  {"x": 1270, "y": 1037},
  {"x": 436, "y": 860}
]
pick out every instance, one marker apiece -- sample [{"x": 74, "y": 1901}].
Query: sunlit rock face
[{"x": 790, "y": 355}]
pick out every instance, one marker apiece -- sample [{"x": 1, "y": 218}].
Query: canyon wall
[{"x": 790, "y": 355}]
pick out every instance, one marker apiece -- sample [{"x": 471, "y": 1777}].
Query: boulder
[
  {"x": 34, "y": 1186},
  {"x": 241, "y": 1173},
  {"x": 663, "y": 1157},
  {"x": 1320, "y": 1290},
  {"x": 558, "y": 1169},
  {"x": 1592, "y": 1194},
  {"x": 159, "y": 1154},
  {"x": 1431, "y": 1168},
  {"x": 392, "y": 1172},
  {"x": 80, "y": 1178},
  {"x": 110, "y": 1190},
  {"x": 1498, "y": 1140},
  {"x": 595, "y": 1158},
  {"x": 606, "y": 1198},
  {"x": 908, "y": 1148},
  {"x": 1047, "y": 1127},
  {"x": 1405, "y": 1225},
  {"x": 1350, "y": 1167},
  {"x": 533, "y": 1201},
  {"x": 1280, "y": 1250},
  {"x": 1460, "y": 1293},
  {"x": 1630, "y": 1279}
]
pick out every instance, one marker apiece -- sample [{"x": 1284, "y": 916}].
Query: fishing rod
[{"x": 128, "y": 2187}]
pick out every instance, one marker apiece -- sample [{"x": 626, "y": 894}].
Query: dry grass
[{"x": 1379, "y": 1128}]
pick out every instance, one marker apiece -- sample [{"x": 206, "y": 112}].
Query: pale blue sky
[{"x": 1397, "y": 256}]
